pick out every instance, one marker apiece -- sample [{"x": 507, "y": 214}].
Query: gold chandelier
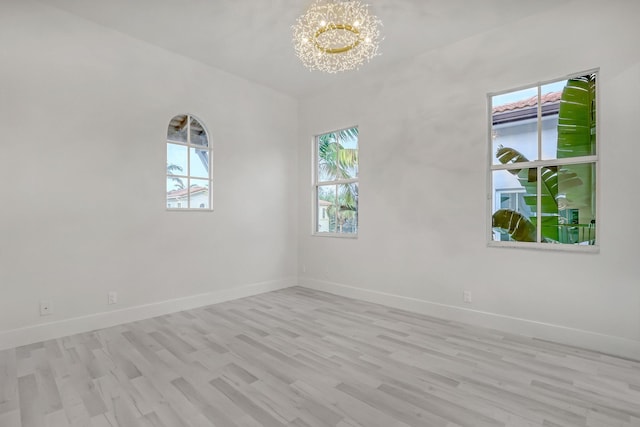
[{"x": 336, "y": 35}]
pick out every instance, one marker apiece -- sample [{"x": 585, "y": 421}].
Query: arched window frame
[{"x": 189, "y": 157}]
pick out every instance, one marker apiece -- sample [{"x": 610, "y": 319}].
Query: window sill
[
  {"x": 188, "y": 210},
  {"x": 338, "y": 235},
  {"x": 592, "y": 249}
]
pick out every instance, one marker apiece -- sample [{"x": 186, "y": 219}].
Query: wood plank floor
[{"x": 302, "y": 358}]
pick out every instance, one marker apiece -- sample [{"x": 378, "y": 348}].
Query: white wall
[
  {"x": 84, "y": 112},
  {"x": 423, "y": 206}
]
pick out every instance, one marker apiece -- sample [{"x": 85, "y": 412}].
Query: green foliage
[
  {"x": 528, "y": 178},
  {"x": 562, "y": 188},
  {"x": 577, "y": 118},
  {"x": 518, "y": 226},
  {"x": 577, "y": 137},
  {"x": 339, "y": 162},
  {"x": 335, "y": 160}
]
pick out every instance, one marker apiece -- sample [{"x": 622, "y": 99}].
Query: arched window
[{"x": 188, "y": 164}]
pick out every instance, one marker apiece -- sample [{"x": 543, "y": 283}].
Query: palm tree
[
  {"x": 338, "y": 161},
  {"x": 171, "y": 172}
]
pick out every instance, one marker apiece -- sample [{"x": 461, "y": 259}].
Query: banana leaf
[
  {"x": 562, "y": 187},
  {"x": 518, "y": 226},
  {"x": 577, "y": 137},
  {"x": 577, "y": 118},
  {"x": 528, "y": 178}
]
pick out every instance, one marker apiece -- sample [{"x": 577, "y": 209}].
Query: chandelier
[{"x": 336, "y": 35}]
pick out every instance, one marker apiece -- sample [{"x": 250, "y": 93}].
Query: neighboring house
[
  {"x": 515, "y": 125},
  {"x": 323, "y": 216},
  {"x": 180, "y": 198}
]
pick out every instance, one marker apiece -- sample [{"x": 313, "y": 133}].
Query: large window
[
  {"x": 543, "y": 164},
  {"x": 188, "y": 164},
  {"x": 336, "y": 183}
]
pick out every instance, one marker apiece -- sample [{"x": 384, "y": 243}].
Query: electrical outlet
[
  {"x": 46, "y": 308},
  {"x": 466, "y": 296},
  {"x": 113, "y": 298}
]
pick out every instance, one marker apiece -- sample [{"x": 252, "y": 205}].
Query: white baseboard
[
  {"x": 607, "y": 344},
  {"x": 46, "y": 331}
]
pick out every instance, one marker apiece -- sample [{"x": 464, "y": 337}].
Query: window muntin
[
  {"x": 543, "y": 164},
  {"x": 188, "y": 165},
  {"x": 336, "y": 183}
]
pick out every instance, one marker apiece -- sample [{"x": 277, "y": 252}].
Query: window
[
  {"x": 543, "y": 164},
  {"x": 336, "y": 183},
  {"x": 188, "y": 165}
]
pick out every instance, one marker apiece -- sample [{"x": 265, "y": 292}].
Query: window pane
[
  {"x": 199, "y": 193},
  {"x": 347, "y": 215},
  {"x": 574, "y": 219},
  {"x": 199, "y": 162},
  {"x": 198, "y": 135},
  {"x": 514, "y": 205},
  {"x": 348, "y": 154},
  {"x": 327, "y": 157},
  {"x": 176, "y": 183},
  {"x": 326, "y": 216},
  {"x": 177, "y": 160},
  {"x": 176, "y": 192},
  {"x": 178, "y": 129},
  {"x": 577, "y": 118},
  {"x": 340, "y": 216},
  {"x": 515, "y": 124},
  {"x": 550, "y": 96}
]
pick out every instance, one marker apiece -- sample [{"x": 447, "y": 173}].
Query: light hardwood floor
[{"x": 302, "y": 358}]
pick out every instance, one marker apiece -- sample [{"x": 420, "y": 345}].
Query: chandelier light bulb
[{"x": 336, "y": 35}]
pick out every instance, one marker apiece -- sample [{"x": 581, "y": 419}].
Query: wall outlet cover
[
  {"x": 466, "y": 296},
  {"x": 46, "y": 308},
  {"x": 113, "y": 298}
]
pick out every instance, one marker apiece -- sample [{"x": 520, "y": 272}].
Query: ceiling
[{"x": 252, "y": 38}]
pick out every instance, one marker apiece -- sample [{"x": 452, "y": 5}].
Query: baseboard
[
  {"x": 46, "y": 331},
  {"x": 607, "y": 344}
]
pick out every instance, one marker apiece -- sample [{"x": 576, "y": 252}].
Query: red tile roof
[
  {"x": 529, "y": 102},
  {"x": 184, "y": 191}
]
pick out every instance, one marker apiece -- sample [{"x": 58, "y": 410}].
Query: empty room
[{"x": 319, "y": 213}]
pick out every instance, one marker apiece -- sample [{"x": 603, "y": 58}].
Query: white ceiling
[{"x": 252, "y": 38}]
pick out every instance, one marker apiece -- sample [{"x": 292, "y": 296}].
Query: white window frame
[
  {"x": 187, "y": 176},
  {"x": 538, "y": 165},
  {"x": 316, "y": 184}
]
